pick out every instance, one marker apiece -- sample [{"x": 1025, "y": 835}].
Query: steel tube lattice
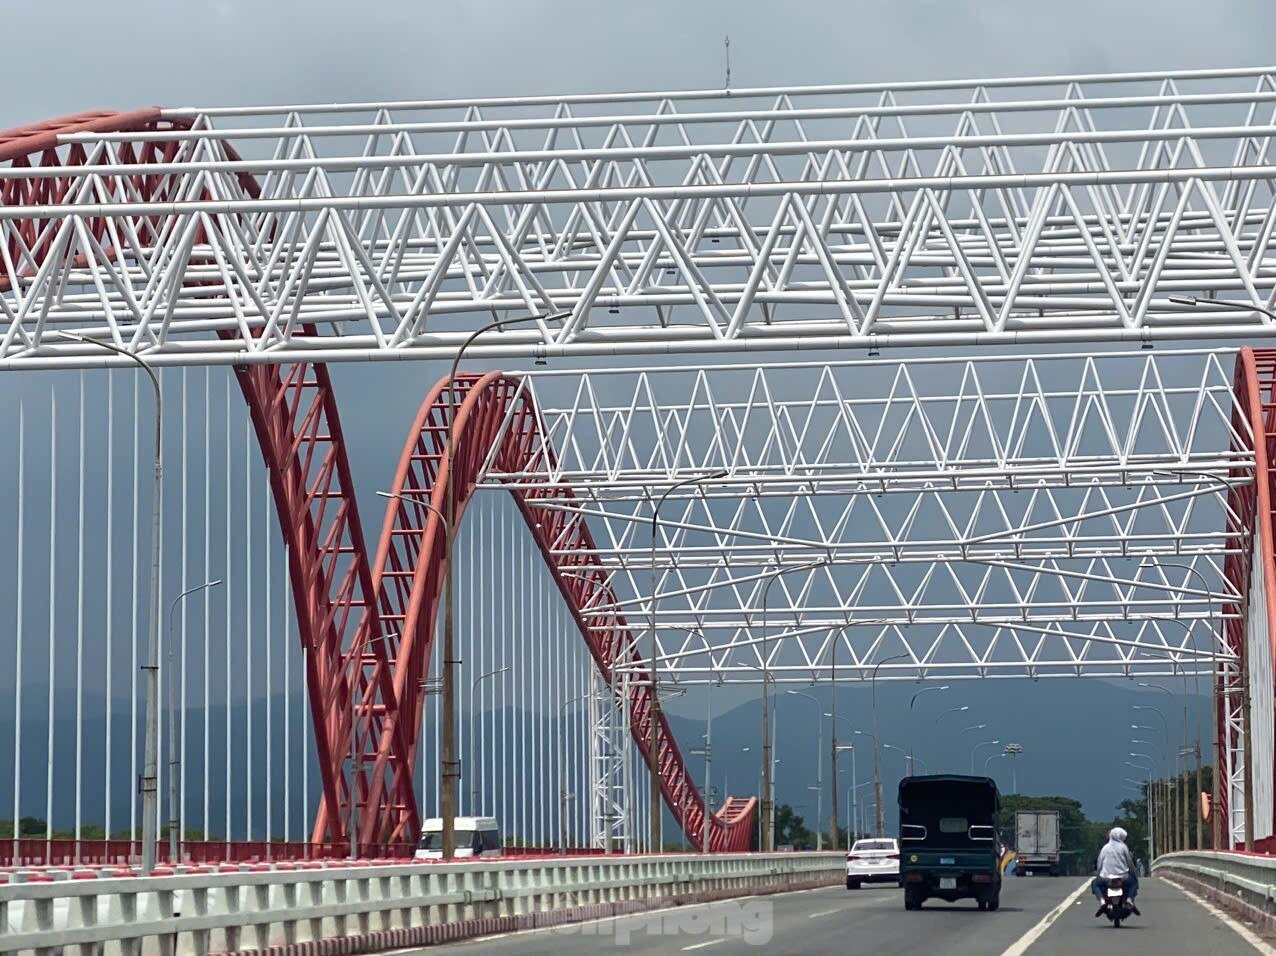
[
  {"x": 1049, "y": 209},
  {"x": 1026, "y": 517}
]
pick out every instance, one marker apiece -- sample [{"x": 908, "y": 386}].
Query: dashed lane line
[{"x": 1020, "y": 946}]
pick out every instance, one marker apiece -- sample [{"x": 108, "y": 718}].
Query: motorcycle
[{"x": 1116, "y": 904}]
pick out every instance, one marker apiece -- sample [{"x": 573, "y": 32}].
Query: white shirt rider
[{"x": 1115, "y": 859}]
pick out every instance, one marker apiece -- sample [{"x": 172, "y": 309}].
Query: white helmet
[{"x": 1117, "y": 834}]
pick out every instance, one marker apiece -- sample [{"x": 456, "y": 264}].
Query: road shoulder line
[
  {"x": 1239, "y": 928},
  {"x": 1020, "y": 946}
]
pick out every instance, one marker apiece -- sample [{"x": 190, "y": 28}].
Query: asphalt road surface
[{"x": 873, "y": 921}]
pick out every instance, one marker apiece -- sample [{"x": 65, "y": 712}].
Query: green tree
[{"x": 791, "y": 829}]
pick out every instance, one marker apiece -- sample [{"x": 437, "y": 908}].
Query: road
[{"x": 873, "y": 921}]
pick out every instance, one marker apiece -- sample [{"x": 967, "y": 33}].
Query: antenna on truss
[{"x": 726, "y": 41}]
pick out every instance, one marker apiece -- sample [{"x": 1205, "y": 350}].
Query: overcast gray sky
[{"x": 61, "y": 56}]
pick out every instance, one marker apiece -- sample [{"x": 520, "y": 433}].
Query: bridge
[{"x": 1028, "y": 447}]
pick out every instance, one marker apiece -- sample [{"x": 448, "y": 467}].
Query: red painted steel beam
[
  {"x": 1252, "y": 505},
  {"x": 497, "y": 421}
]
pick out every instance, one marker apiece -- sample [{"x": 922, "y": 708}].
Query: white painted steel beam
[
  {"x": 1054, "y": 515},
  {"x": 1010, "y": 211}
]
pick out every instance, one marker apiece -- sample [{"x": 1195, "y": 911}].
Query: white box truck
[{"x": 1037, "y": 842}]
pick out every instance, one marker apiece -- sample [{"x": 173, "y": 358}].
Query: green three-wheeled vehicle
[{"x": 948, "y": 844}]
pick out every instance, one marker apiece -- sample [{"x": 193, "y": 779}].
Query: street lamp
[
  {"x": 174, "y": 760},
  {"x": 952, "y": 710},
  {"x": 1164, "y": 785},
  {"x": 767, "y": 836},
  {"x": 653, "y": 738},
  {"x": 1193, "y": 302},
  {"x": 975, "y": 749},
  {"x": 474, "y": 790},
  {"x": 448, "y": 772},
  {"x": 924, "y": 690},
  {"x": 837, "y": 749},
  {"x": 1013, "y": 751},
  {"x": 819, "y": 772},
  {"x": 1150, "y": 799},
  {"x": 150, "y": 771},
  {"x": 1216, "y": 674},
  {"x": 877, "y": 757},
  {"x": 563, "y": 795}
]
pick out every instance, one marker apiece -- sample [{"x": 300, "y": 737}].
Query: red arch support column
[
  {"x": 1255, "y": 519},
  {"x": 497, "y": 421}
]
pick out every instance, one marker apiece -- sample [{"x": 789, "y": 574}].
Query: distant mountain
[{"x": 1074, "y": 735}]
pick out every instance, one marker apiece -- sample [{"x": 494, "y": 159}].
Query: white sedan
[{"x": 872, "y": 861}]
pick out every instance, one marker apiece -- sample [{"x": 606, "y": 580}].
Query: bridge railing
[
  {"x": 1236, "y": 879},
  {"x": 31, "y": 851},
  {"x": 371, "y": 908}
]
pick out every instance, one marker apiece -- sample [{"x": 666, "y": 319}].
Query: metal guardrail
[
  {"x": 364, "y": 909},
  {"x": 1248, "y": 878}
]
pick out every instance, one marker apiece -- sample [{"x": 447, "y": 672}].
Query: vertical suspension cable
[
  {"x": 18, "y": 625},
  {"x": 79, "y": 632},
  {"x": 248, "y": 632},
  {"x": 206, "y": 775},
  {"x": 289, "y": 679},
  {"x": 178, "y": 813},
  {"x": 539, "y": 763},
  {"x": 227, "y": 680},
  {"x": 270, "y": 685},
  {"x": 109, "y": 649},
  {"x": 161, "y": 672},
  {"x": 53, "y": 604},
  {"x": 541, "y": 752},
  {"x": 133, "y": 668}
]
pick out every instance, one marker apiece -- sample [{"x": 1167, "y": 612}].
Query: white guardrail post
[
  {"x": 1247, "y": 879},
  {"x": 381, "y": 906}
]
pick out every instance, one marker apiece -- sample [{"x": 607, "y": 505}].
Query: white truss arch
[{"x": 1048, "y": 209}]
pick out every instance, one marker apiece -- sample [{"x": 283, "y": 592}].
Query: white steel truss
[
  {"x": 610, "y": 759},
  {"x": 1049, "y": 209},
  {"x": 1011, "y": 516}
]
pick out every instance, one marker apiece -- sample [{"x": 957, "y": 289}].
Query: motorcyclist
[{"x": 1116, "y": 862}]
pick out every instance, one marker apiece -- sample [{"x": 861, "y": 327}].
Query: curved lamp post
[
  {"x": 150, "y": 771},
  {"x": 656, "y": 804},
  {"x": 174, "y": 760},
  {"x": 767, "y": 839}
]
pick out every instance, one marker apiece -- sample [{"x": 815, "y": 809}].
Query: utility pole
[
  {"x": 656, "y": 801},
  {"x": 877, "y": 749},
  {"x": 766, "y": 834},
  {"x": 836, "y": 837}
]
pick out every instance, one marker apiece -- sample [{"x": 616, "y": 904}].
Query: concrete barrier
[
  {"x": 367, "y": 909},
  {"x": 1242, "y": 882}
]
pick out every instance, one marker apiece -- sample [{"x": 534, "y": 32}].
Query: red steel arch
[
  {"x": 496, "y": 422},
  {"x": 1255, "y": 391},
  {"x": 367, "y": 634}
]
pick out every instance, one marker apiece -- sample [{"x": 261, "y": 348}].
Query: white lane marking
[
  {"x": 540, "y": 930},
  {"x": 1241, "y": 930},
  {"x": 1020, "y": 946},
  {"x": 826, "y": 912},
  {"x": 712, "y": 942}
]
